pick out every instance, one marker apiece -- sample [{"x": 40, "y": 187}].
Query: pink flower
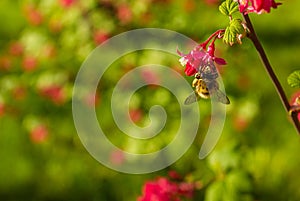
[
  {"x": 124, "y": 14},
  {"x": 29, "y": 63},
  {"x": 67, "y": 3},
  {"x": 174, "y": 175},
  {"x": 202, "y": 61},
  {"x": 49, "y": 51},
  {"x": 150, "y": 77},
  {"x": 100, "y": 36},
  {"x": 257, "y": 6},
  {"x": 135, "y": 115},
  {"x": 33, "y": 15},
  {"x": 39, "y": 133},
  {"x": 92, "y": 100},
  {"x": 54, "y": 93},
  {"x": 117, "y": 157},
  {"x": 16, "y": 49},
  {"x": 163, "y": 189}
]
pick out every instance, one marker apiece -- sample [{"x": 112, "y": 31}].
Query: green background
[{"x": 256, "y": 158}]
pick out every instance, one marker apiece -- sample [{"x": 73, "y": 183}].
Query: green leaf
[
  {"x": 229, "y": 7},
  {"x": 229, "y": 36},
  {"x": 294, "y": 79},
  {"x": 232, "y": 32},
  {"x": 236, "y": 26},
  {"x": 234, "y": 7},
  {"x": 223, "y": 9}
]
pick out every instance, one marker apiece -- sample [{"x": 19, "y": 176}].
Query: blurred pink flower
[
  {"x": 29, "y": 63},
  {"x": 124, "y": 14},
  {"x": 150, "y": 77},
  {"x": 189, "y": 5},
  {"x": 16, "y": 49},
  {"x": 100, "y": 36},
  {"x": 257, "y": 6},
  {"x": 135, "y": 115},
  {"x": 162, "y": 189},
  {"x": 33, "y": 15},
  {"x": 240, "y": 123},
  {"x": 54, "y": 93},
  {"x": 67, "y": 3},
  {"x": 39, "y": 133},
  {"x": 49, "y": 51},
  {"x": 174, "y": 175},
  {"x": 117, "y": 157},
  {"x": 92, "y": 100}
]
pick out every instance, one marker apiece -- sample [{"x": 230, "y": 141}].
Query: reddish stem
[
  {"x": 253, "y": 37},
  {"x": 212, "y": 36}
]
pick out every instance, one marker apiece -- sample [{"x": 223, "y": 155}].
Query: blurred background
[{"x": 43, "y": 44}]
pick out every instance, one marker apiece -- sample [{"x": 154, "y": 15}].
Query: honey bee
[{"x": 206, "y": 89}]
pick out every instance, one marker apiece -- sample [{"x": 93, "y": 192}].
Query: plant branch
[{"x": 253, "y": 37}]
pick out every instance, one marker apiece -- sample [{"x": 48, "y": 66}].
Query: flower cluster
[
  {"x": 201, "y": 59},
  {"x": 257, "y": 6},
  {"x": 163, "y": 189}
]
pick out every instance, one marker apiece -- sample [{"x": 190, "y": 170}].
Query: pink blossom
[
  {"x": 92, "y": 99},
  {"x": 29, "y": 63},
  {"x": 49, "y": 51},
  {"x": 117, "y": 157},
  {"x": 200, "y": 60},
  {"x": 39, "y": 133},
  {"x": 135, "y": 115},
  {"x": 257, "y": 6},
  {"x": 174, "y": 175},
  {"x": 33, "y": 15},
  {"x": 16, "y": 49},
  {"x": 54, "y": 93},
  {"x": 162, "y": 189},
  {"x": 124, "y": 14},
  {"x": 150, "y": 77},
  {"x": 67, "y": 3},
  {"x": 100, "y": 36}
]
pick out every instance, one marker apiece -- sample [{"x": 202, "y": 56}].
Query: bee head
[{"x": 198, "y": 75}]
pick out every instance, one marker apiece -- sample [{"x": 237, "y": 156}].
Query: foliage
[
  {"x": 43, "y": 44},
  {"x": 294, "y": 79}
]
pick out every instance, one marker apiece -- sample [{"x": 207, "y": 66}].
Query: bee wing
[
  {"x": 220, "y": 97},
  {"x": 191, "y": 98}
]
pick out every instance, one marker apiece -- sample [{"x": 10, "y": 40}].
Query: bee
[{"x": 205, "y": 89}]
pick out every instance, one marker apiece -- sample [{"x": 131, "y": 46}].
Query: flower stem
[
  {"x": 253, "y": 37},
  {"x": 214, "y": 35}
]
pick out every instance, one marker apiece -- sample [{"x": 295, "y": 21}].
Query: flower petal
[
  {"x": 180, "y": 53},
  {"x": 190, "y": 70},
  {"x": 220, "y": 61}
]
